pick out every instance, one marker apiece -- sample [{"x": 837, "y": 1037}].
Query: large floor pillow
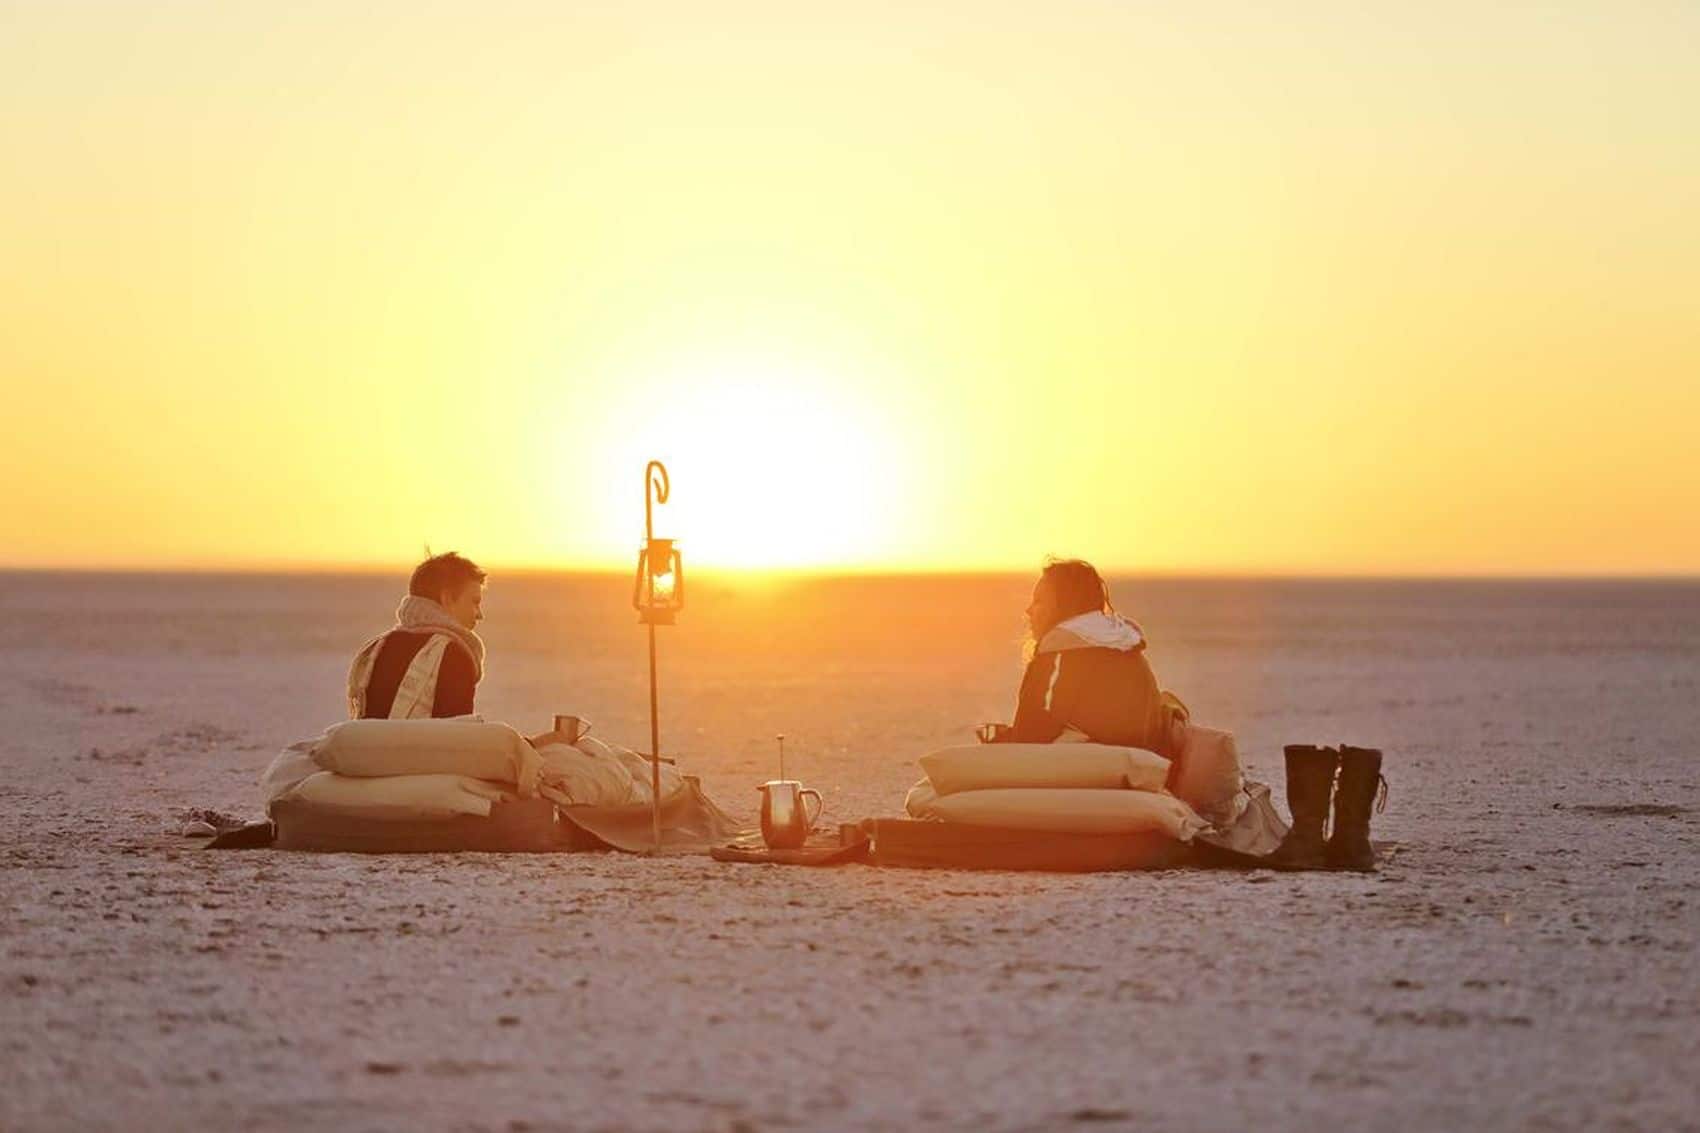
[
  {"x": 396, "y": 797},
  {"x": 1207, "y": 774},
  {"x": 1070, "y": 810},
  {"x": 980, "y": 767},
  {"x": 512, "y": 826},
  {"x": 372, "y": 748}
]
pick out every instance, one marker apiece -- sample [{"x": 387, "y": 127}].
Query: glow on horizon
[{"x": 1344, "y": 290}]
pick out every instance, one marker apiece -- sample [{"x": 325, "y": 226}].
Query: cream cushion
[
  {"x": 978, "y": 767},
  {"x": 1208, "y": 776},
  {"x": 396, "y": 797},
  {"x": 1066, "y": 810},
  {"x": 471, "y": 748},
  {"x": 920, "y": 799}
]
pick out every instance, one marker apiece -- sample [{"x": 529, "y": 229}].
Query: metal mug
[
  {"x": 570, "y": 728},
  {"x": 785, "y": 821}
]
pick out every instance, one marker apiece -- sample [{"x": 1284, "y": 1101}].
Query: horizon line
[{"x": 866, "y": 572}]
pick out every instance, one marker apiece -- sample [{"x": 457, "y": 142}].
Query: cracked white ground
[{"x": 1526, "y": 960}]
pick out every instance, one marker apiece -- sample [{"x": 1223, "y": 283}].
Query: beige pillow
[
  {"x": 372, "y": 748},
  {"x": 980, "y": 767},
  {"x": 1208, "y": 776},
  {"x": 920, "y": 799},
  {"x": 1069, "y": 811},
  {"x": 396, "y": 797}
]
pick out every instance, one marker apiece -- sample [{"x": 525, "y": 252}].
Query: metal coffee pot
[{"x": 785, "y": 821}]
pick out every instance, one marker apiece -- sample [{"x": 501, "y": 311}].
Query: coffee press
[{"x": 785, "y": 821}]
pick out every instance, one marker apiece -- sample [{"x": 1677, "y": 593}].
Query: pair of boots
[{"x": 1310, "y": 786}]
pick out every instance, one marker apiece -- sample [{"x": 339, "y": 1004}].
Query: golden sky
[{"x": 1222, "y": 286}]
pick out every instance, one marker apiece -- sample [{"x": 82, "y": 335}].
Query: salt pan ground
[{"x": 1525, "y": 960}]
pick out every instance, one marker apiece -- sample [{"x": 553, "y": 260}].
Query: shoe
[
  {"x": 1355, "y": 797},
  {"x": 251, "y": 836},
  {"x": 1310, "y": 784}
]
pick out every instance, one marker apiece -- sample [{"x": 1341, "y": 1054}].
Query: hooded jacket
[{"x": 1090, "y": 673}]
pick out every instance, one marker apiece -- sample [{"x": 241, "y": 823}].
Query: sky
[{"x": 1218, "y": 287}]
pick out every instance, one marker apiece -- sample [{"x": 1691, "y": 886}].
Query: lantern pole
[{"x": 655, "y": 482}]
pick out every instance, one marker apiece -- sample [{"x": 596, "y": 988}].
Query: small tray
[{"x": 847, "y": 844}]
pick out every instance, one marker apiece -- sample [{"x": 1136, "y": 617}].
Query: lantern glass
[{"x": 662, "y": 589}]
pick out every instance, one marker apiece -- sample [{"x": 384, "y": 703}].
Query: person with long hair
[{"x": 1087, "y": 673}]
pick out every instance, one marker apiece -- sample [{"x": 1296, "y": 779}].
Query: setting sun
[{"x": 774, "y": 465}]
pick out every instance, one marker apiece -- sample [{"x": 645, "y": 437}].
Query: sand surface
[{"x": 1527, "y": 959}]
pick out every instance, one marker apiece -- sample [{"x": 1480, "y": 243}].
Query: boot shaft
[
  {"x": 1310, "y": 783},
  {"x": 1349, "y": 846},
  {"x": 1360, "y": 776}
]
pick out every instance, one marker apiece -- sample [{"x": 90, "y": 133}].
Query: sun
[{"x": 772, "y": 468}]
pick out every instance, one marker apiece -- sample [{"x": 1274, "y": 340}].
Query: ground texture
[{"x": 1526, "y": 959}]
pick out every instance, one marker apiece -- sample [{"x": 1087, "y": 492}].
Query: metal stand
[
  {"x": 654, "y": 747},
  {"x": 656, "y": 488}
]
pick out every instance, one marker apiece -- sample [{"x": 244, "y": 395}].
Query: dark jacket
[
  {"x": 457, "y": 676},
  {"x": 1090, "y": 673}
]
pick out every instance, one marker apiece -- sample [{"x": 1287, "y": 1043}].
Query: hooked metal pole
[{"x": 656, "y": 483}]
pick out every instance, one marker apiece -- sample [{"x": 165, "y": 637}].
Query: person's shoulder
[
  {"x": 402, "y": 641},
  {"x": 1042, "y": 655},
  {"x": 1093, "y": 631},
  {"x": 1059, "y": 639}
]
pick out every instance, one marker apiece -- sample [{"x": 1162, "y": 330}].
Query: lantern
[
  {"x": 659, "y": 591},
  {"x": 658, "y": 594}
]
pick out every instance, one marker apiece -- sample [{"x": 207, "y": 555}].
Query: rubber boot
[
  {"x": 1354, "y": 798},
  {"x": 1310, "y": 783}
]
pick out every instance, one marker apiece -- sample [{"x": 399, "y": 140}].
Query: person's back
[
  {"x": 430, "y": 663},
  {"x": 1088, "y": 671},
  {"x": 456, "y": 683}
]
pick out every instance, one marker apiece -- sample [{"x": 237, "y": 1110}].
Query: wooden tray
[{"x": 821, "y": 850}]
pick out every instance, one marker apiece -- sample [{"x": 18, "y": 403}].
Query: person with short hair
[
  {"x": 429, "y": 664},
  {"x": 1087, "y": 672}
]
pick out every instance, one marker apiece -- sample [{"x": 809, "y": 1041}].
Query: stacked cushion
[
  {"x": 405, "y": 770},
  {"x": 1065, "y": 788},
  {"x": 408, "y": 770},
  {"x": 981, "y": 767},
  {"x": 397, "y": 797},
  {"x": 1070, "y": 810},
  {"x": 368, "y": 749}
]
